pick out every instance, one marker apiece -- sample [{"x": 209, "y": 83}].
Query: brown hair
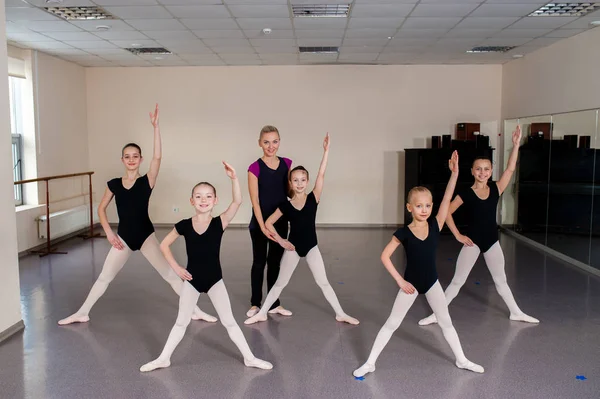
[
  {"x": 203, "y": 183},
  {"x": 268, "y": 129},
  {"x": 133, "y": 145},
  {"x": 482, "y": 159},
  {"x": 297, "y": 168},
  {"x": 415, "y": 190}
]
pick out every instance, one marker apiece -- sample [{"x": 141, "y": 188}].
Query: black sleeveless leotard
[
  {"x": 132, "y": 207},
  {"x": 203, "y": 252},
  {"x": 272, "y": 187},
  {"x": 303, "y": 232},
  {"x": 420, "y": 256},
  {"x": 482, "y": 227}
]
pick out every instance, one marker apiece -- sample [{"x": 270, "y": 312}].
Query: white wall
[
  {"x": 10, "y": 307},
  {"x": 59, "y": 142},
  {"x": 213, "y": 113},
  {"x": 559, "y": 78}
]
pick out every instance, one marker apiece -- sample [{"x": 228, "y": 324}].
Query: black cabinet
[{"x": 428, "y": 167}]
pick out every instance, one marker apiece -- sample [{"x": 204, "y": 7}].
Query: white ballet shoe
[
  {"x": 347, "y": 319},
  {"x": 363, "y": 370},
  {"x": 155, "y": 364},
  {"x": 468, "y": 365},
  {"x": 253, "y": 310},
  {"x": 75, "y": 318},
  {"x": 524, "y": 318},
  {"x": 280, "y": 310},
  {"x": 431, "y": 319},
  {"x": 258, "y": 363},
  {"x": 256, "y": 318}
]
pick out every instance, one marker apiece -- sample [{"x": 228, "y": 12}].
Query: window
[{"x": 15, "y": 86}]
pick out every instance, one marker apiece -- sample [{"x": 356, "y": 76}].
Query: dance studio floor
[{"x": 313, "y": 355}]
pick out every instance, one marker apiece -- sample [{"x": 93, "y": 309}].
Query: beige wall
[
  {"x": 10, "y": 306},
  {"x": 560, "y": 78},
  {"x": 58, "y": 143},
  {"x": 213, "y": 113}
]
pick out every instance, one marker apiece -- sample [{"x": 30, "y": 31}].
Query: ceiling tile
[
  {"x": 47, "y": 45},
  {"x": 219, "y": 34},
  {"x": 320, "y": 23},
  {"x": 72, "y": 36},
  {"x": 114, "y": 25},
  {"x": 504, "y": 10},
  {"x": 443, "y": 10},
  {"x": 510, "y": 32},
  {"x": 581, "y": 23},
  {"x": 127, "y": 2},
  {"x": 319, "y": 42},
  {"x": 542, "y": 22},
  {"x": 416, "y": 41},
  {"x": 278, "y": 56},
  {"x": 543, "y": 41},
  {"x": 277, "y": 50},
  {"x": 370, "y": 33},
  {"x": 206, "y": 11},
  {"x": 238, "y": 56},
  {"x": 198, "y": 57},
  {"x": 226, "y": 42},
  {"x": 233, "y": 50},
  {"x": 506, "y": 41},
  {"x": 49, "y": 26},
  {"x": 375, "y": 23},
  {"x": 364, "y": 42},
  {"x": 358, "y": 57},
  {"x": 317, "y": 33},
  {"x": 360, "y": 49},
  {"x": 64, "y": 3},
  {"x": 128, "y": 43},
  {"x": 170, "y": 63},
  {"x": 430, "y": 22},
  {"x": 176, "y": 45},
  {"x": 381, "y": 10},
  {"x": 405, "y": 49},
  {"x": 260, "y": 11},
  {"x": 192, "y": 2},
  {"x": 276, "y": 34},
  {"x": 420, "y": 33},
  {"x": 29, "y": 37},
  {"x": 207, "y": 63},
  {"x": 28, "y": 14},
  {"x": 134, "y": 63},
  {"x": 156, "y": 24},
  {"x": 486, "y": 23},
  {"x": 122, "y": 35},
  {"x": 92, "y": 44},
  {"x": 261, "y": 23},
  {"x": 254, "y": 1},
  {"x": 139, "y": 12},
  {"x": 564, "y": 33},
  {"x": 15, "y": 3},
  {"x": 14, "y": 27},
  {"x": 273, "y": 42},
  {"x": 108, "y": 51},
  {"x": 170, "y": 35},
  {"x": 478, "y": 33},
  {"x": 217, "y": 23},
  {"x": 66, "y": 51}
]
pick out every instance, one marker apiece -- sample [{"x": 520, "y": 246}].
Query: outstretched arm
[
  {"x": 512, "y": 161},
  {"x": 445, "y": 204},
  {"x": 157, "y": 154},
  {"x": 321, "y": 176},
  {"x": 386, "y": 259},
  {"x": 228, "y": 215},
  {"x": 165, "y": 248}
]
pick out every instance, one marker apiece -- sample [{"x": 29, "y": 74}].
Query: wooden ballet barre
[{"x": 49, "y": 250}]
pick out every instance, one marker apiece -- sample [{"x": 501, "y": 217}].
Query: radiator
[{"x": 67, "y": 221}]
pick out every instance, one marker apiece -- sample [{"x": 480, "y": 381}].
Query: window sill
[{"x": 23, "y": 208}]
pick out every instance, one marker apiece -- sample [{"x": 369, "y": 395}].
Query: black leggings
[{"x": 265, "y": 252}]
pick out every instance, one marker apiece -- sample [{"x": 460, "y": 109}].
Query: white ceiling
[{"x": 229, "y": 32}]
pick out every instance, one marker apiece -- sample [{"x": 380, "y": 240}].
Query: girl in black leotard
[
  {"x": 481, "y": 201},
  {"x": 301, "y": 211},
  {"x": 202, "y": 235},
  {"x": 420, "y": 240},
  {"x": 135, "y": 232}
]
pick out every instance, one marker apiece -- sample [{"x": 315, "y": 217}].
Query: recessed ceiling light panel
[
  {"x": 321, "y": 10},
  {"x": 565, "y": 9},
  {"x": 80, "y": 13}
]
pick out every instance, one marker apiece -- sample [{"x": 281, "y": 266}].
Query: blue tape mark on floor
[
  {"x": 581, "y": 377},
  {"x": 359, "y": 378},
  {"x": 477, "y": 283},
  {"x": 340, "y": 282}
]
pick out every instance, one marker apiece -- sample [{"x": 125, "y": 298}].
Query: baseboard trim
[
  {"x": 12, "y": 330},
  {"x": 555, "y": 254}
]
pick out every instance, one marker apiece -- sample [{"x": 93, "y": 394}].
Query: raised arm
[
  {"x": 157, "y": 154},
  {"x": 110, "y": 235},
  {"x": 386, "y": 259},
  {"x": 253, "y": 189},
  {"x": 165, "y": 248},
  {"x": 445, "y": 204},
  {"x": 236, "y": 201},
  {"x": 321, "y": 175},
  {"x": 502, "y": 183}
]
